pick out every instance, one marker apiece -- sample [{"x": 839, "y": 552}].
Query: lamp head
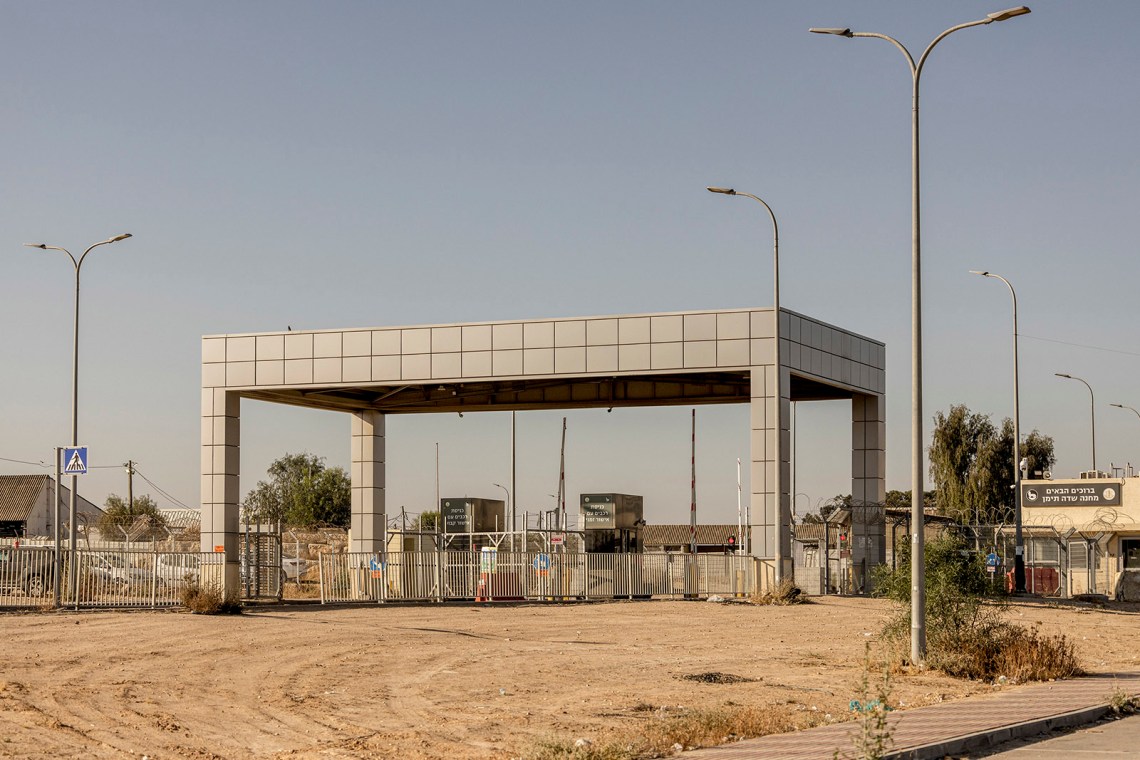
[
  {"x": 1007, "y": 14},
  {"x": 976, "y": 271},
  {"x": 1067, "y": 377},
  {"x": 840, "y": 32},
  {"x": 117, "y": 238},
  {"x": 1118, "y": 406},
  {"x": 721, "y": 190},
  {"x": 35, "y": 245}
]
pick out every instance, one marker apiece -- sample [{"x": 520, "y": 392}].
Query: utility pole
[{"x": 130, "y": 465}]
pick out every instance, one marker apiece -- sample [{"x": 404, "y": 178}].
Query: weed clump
[
  {"x": 1123, "y": 703},
  {"x": 668, "y": 734},
  {"x": 875, "y": 736},
  {"x": 208, "y": 600},
  {"x": 786, "y": 592}
]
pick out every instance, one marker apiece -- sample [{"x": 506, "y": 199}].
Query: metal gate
[{"x": 261, "y": 571}]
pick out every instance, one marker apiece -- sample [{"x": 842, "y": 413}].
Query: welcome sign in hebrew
[{"x": 1089, "y": 494}]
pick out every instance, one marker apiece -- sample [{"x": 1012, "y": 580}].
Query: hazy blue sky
[{"x": 328, "y": 165}]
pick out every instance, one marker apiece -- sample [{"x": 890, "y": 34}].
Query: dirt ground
[{"x": 436, "y": 681}]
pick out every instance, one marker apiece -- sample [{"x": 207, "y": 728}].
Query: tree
[
  {"x": 118, "y": 516},
  {"x": 301, "y": 492},
  {"x": 971, "y": 464},
  {"x": 426, "y": 522}
]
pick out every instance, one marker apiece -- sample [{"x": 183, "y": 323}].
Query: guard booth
[
  {"x": 612, "y": 523},
  {"x": 472, "y": 531},
  {"x": 468, "y": 524}
]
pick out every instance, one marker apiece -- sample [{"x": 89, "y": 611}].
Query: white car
[
  {"x": 113, "y": 568},
  {"x": 177, "y": 569}
]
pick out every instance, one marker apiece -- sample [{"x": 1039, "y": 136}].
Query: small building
[
  {"x": 612, "y": 522},
  {"x": 26, "y": 506},
  {"x": 1089, "y": 528},
  {"x": 678, "y": 538},
  {"x": 468, "y": 523}
]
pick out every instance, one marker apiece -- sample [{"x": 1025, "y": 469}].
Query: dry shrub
[
  {"x": 982, "y": 645},
  {"x": 1027, "y": 654},
  {"x": 660, "y": 736},
  {"x": 967, "y": 635},
  {"x": 208, "y": 600},
  {"x": 786, "y": 592}
]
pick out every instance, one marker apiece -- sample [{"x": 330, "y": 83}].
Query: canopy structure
[{"x": 689, "y": 358}]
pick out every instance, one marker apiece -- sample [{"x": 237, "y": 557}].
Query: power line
[
  {"x": 1081, "y": 345},
  {"x": 160, "y": 491},
  {"x": 21, "y": 461},
  {"x": 43, "y": 464}
]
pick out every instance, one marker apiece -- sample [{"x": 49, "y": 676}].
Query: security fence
[
  {"x": 492, "y": 575},
  {"x": 100, "y": 578}
]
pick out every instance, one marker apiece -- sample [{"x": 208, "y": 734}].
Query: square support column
[
  {"x": 368, "y": 532},
  {"x": 221, "y": 439},
  {"x": 765, "y": 397},
  {"x": 868, "y": 487}
]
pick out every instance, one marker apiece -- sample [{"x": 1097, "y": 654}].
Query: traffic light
[{"x": 732, "y": 543}]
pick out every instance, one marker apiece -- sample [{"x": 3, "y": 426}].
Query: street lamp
[
  {"x": 1123, "y": 406},
  {"x": 1019, "y": 545},
  {"x": 1092, "y": 413},
  {"x": 918, "y": 581},
  {"x": 78, "y": 263},
  {"x": 778, "y": 484},
  {"x": 507, "y": 511}
]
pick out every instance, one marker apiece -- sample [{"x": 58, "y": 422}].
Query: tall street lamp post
[
  {"x": 507, "y": 512},
  {"x": 1019, "y": 544},
  {"x": 778, "y": 486},
  {"x": 78, "y": 263},
  {"x": 1125, "y": 406},
  {"x": 1092, "y": 413},
  {"x": 917, "y": 588}
]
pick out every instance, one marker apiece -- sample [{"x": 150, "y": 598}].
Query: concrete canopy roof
[{"x": 679, "y": 358}]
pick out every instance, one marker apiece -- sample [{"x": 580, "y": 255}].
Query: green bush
[{"x": 967, "y": 635}]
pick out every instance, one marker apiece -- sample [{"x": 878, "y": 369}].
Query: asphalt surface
[{"x": 1107, "y": 739}]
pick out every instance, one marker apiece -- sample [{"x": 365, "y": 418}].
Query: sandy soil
[{"x": 443, "y": 681}]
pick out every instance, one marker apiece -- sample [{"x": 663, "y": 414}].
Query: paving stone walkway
[{"x": 951, "y": 728}]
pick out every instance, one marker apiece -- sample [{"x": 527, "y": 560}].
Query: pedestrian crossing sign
[{"x": 75, "y": 460}]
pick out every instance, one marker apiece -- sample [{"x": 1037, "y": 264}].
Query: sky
[{"x": 351, "y": 164}]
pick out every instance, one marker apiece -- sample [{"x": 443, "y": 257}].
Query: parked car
[
  {"x": 27, "y": 569},
  {"x": 114, "y": 568},
  {"x": 177, "y": 569}
]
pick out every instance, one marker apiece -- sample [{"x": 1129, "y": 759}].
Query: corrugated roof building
[
  {"x": 676, "y": 538},
  {"x": 26, "y": 501}
]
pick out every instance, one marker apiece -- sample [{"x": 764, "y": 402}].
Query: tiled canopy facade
[{"x": 678, "y": 358}]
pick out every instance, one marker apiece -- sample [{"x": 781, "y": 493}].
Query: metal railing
[
  {"x": 101, "y": 578},
  {"x": 517, "y": 576}
]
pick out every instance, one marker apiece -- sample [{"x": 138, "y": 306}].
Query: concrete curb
[{"x": 994, "y": 737}]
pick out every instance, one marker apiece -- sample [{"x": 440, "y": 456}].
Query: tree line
[{"x": 971, "y": 468}]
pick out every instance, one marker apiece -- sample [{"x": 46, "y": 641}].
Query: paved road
[{"x": 1111, "y": 739}]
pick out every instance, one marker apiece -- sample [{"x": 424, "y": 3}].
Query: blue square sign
[{"x": 75, "y": 460}]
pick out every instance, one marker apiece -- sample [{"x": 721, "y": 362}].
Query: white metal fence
[
  {"x": 516, "y": 576},
  {"x": 99, "y": 577}
]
